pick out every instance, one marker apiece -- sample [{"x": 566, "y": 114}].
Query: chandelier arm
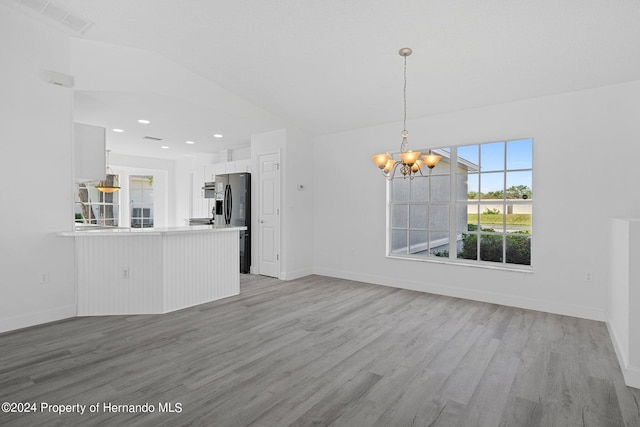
[{"x": 391, "y": 174}]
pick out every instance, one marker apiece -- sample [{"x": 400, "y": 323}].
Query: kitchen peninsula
[{"x": 144, "y": 271}]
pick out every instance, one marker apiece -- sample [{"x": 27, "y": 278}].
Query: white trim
[
  {"x": 631, "y": 374},
  {"x": 487, "y": 265},
  {"x": 295, "y": 274},
  {"x": 37, "y": 318}
]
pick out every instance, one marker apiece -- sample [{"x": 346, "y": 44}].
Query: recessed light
[
  {"x": 189, "y": 142},
  {"x": 144, "y": 122},
  {"x": 166, "y": 147},
  {"x": 118, "y": 130},
  {"x": 217, "y": 135}
]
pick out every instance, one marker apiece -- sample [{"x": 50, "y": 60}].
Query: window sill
[{"x": 517, "y": 268}]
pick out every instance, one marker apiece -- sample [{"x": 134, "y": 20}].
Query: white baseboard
[
  {"x": 38, "y": 318},
  {"x": 631, "y": 374},
  {"x": 296, "y": 274},
  {"x": 471, "y": 294}
]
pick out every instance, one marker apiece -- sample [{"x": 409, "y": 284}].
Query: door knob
[{"x": 262, "y": 221}]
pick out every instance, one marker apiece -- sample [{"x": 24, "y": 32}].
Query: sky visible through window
[{"x": 491, "y": 158}]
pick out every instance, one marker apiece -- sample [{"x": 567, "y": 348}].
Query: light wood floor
[{"x": 322, "y": 351}]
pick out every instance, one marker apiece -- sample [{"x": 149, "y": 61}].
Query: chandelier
[{"x": 409, "y": 162}]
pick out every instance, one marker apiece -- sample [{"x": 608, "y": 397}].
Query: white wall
[
  {"x": 298, "y": 205},
  {"x": 36, "y": 172},
  {"x": 577, "y": 137}
]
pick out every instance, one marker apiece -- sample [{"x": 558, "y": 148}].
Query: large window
[
  {"x": 141, "y": 205},
  {"x": 474, "y": 206}
]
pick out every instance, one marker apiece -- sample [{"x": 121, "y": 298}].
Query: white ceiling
[{"x": 332, "y": 65}]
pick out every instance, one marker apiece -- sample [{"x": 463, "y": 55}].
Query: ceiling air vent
[
  {"x": 152, "y": 138},
  {"x": 54, "y": 11}
]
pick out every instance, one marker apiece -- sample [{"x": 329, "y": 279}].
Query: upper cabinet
[
  {"x": 90, "y": 150},
  {"x": 237, "y": 166}
]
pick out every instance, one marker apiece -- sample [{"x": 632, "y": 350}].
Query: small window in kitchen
[
  {"x": 141, "y": 197},
  {"x": 95, "y": 208}
]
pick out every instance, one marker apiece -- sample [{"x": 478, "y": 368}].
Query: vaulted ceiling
[{"x": 333, "y": 65}]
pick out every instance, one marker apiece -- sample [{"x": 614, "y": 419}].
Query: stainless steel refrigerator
[{"x": 233, "y": 208}]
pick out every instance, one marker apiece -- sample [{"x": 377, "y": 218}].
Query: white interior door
[{"x": 269, "y": 215}]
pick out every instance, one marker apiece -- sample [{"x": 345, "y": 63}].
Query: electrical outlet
[
  {"x": 587, "y": 276},
  {"x": 44, "y": 278},
  {"x": 125, "y": 273}
]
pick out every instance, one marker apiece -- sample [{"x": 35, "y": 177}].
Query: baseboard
[
  {"x": 631, "y": 374},
  {"x": 296, "y": 274},
  {"x": 471, "y": 294},
  {"x": 631, "y": 377},
  {"x": 38, "y": 318}
]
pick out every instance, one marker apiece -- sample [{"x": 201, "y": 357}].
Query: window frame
[{"x": 454, "y": 234}]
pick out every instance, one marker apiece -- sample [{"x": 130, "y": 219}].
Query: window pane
[
  {"x": 135, "y": 183},
  {"x": 468, "y": 186},
  {"x": 519, "y": 185},
  {"x": 439, "y": 243},
  {"x": 439, "y": 217},
  {"x": 418, "y": 216},
  {"x": 420, "y": 189},
  {"x": 440, "y": 188},
  {"x": 492, "y": 185},
  {"x": 147, "y": 197},
  {"x": 490, "y": 248},
  {"x": 442, "y": 168},
  {"x": 469, "y": 246},
  {"x": 491, "y": 217},
  {"x": 419, "y": 243},
  {"x": 468, "y": 155},
  {"x": 135, "y": 195},
  {"x": 465, "y": 215},
  {"x": 520, "y": 154},
  {"x": 398, "y": 242},
  {"x": 519, "y": 249},
  {"x": 400, "y": 190},
  {"x": 519, "y": 217},
  {"x": 399, "y": 216},
  {"x": 147, "y": 182},
  {"x": 492, "y": 157}
]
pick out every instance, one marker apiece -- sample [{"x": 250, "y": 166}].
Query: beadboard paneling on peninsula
[
  {"x": 144, "y": 273},
  {"x": 199, "y": 260}
]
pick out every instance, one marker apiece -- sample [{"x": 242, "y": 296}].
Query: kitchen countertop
[{"x": 151, "y": 231}]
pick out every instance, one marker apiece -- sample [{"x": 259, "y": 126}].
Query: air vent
[
  {"x": 54, "y": 11},
  {"x": 152, "y": 138}
]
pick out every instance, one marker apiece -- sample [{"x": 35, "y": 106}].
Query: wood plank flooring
[{"x": 320, "y": 351}]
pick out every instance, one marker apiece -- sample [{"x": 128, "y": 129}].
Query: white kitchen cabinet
[
  {"x": 242, "y": 166},
  {"x": 236, "y": 166}
]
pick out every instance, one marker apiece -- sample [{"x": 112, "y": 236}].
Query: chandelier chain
[{"x": 404, "y": 92}]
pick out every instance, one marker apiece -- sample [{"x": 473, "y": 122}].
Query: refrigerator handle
[{"x": 228, "y": 204}]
